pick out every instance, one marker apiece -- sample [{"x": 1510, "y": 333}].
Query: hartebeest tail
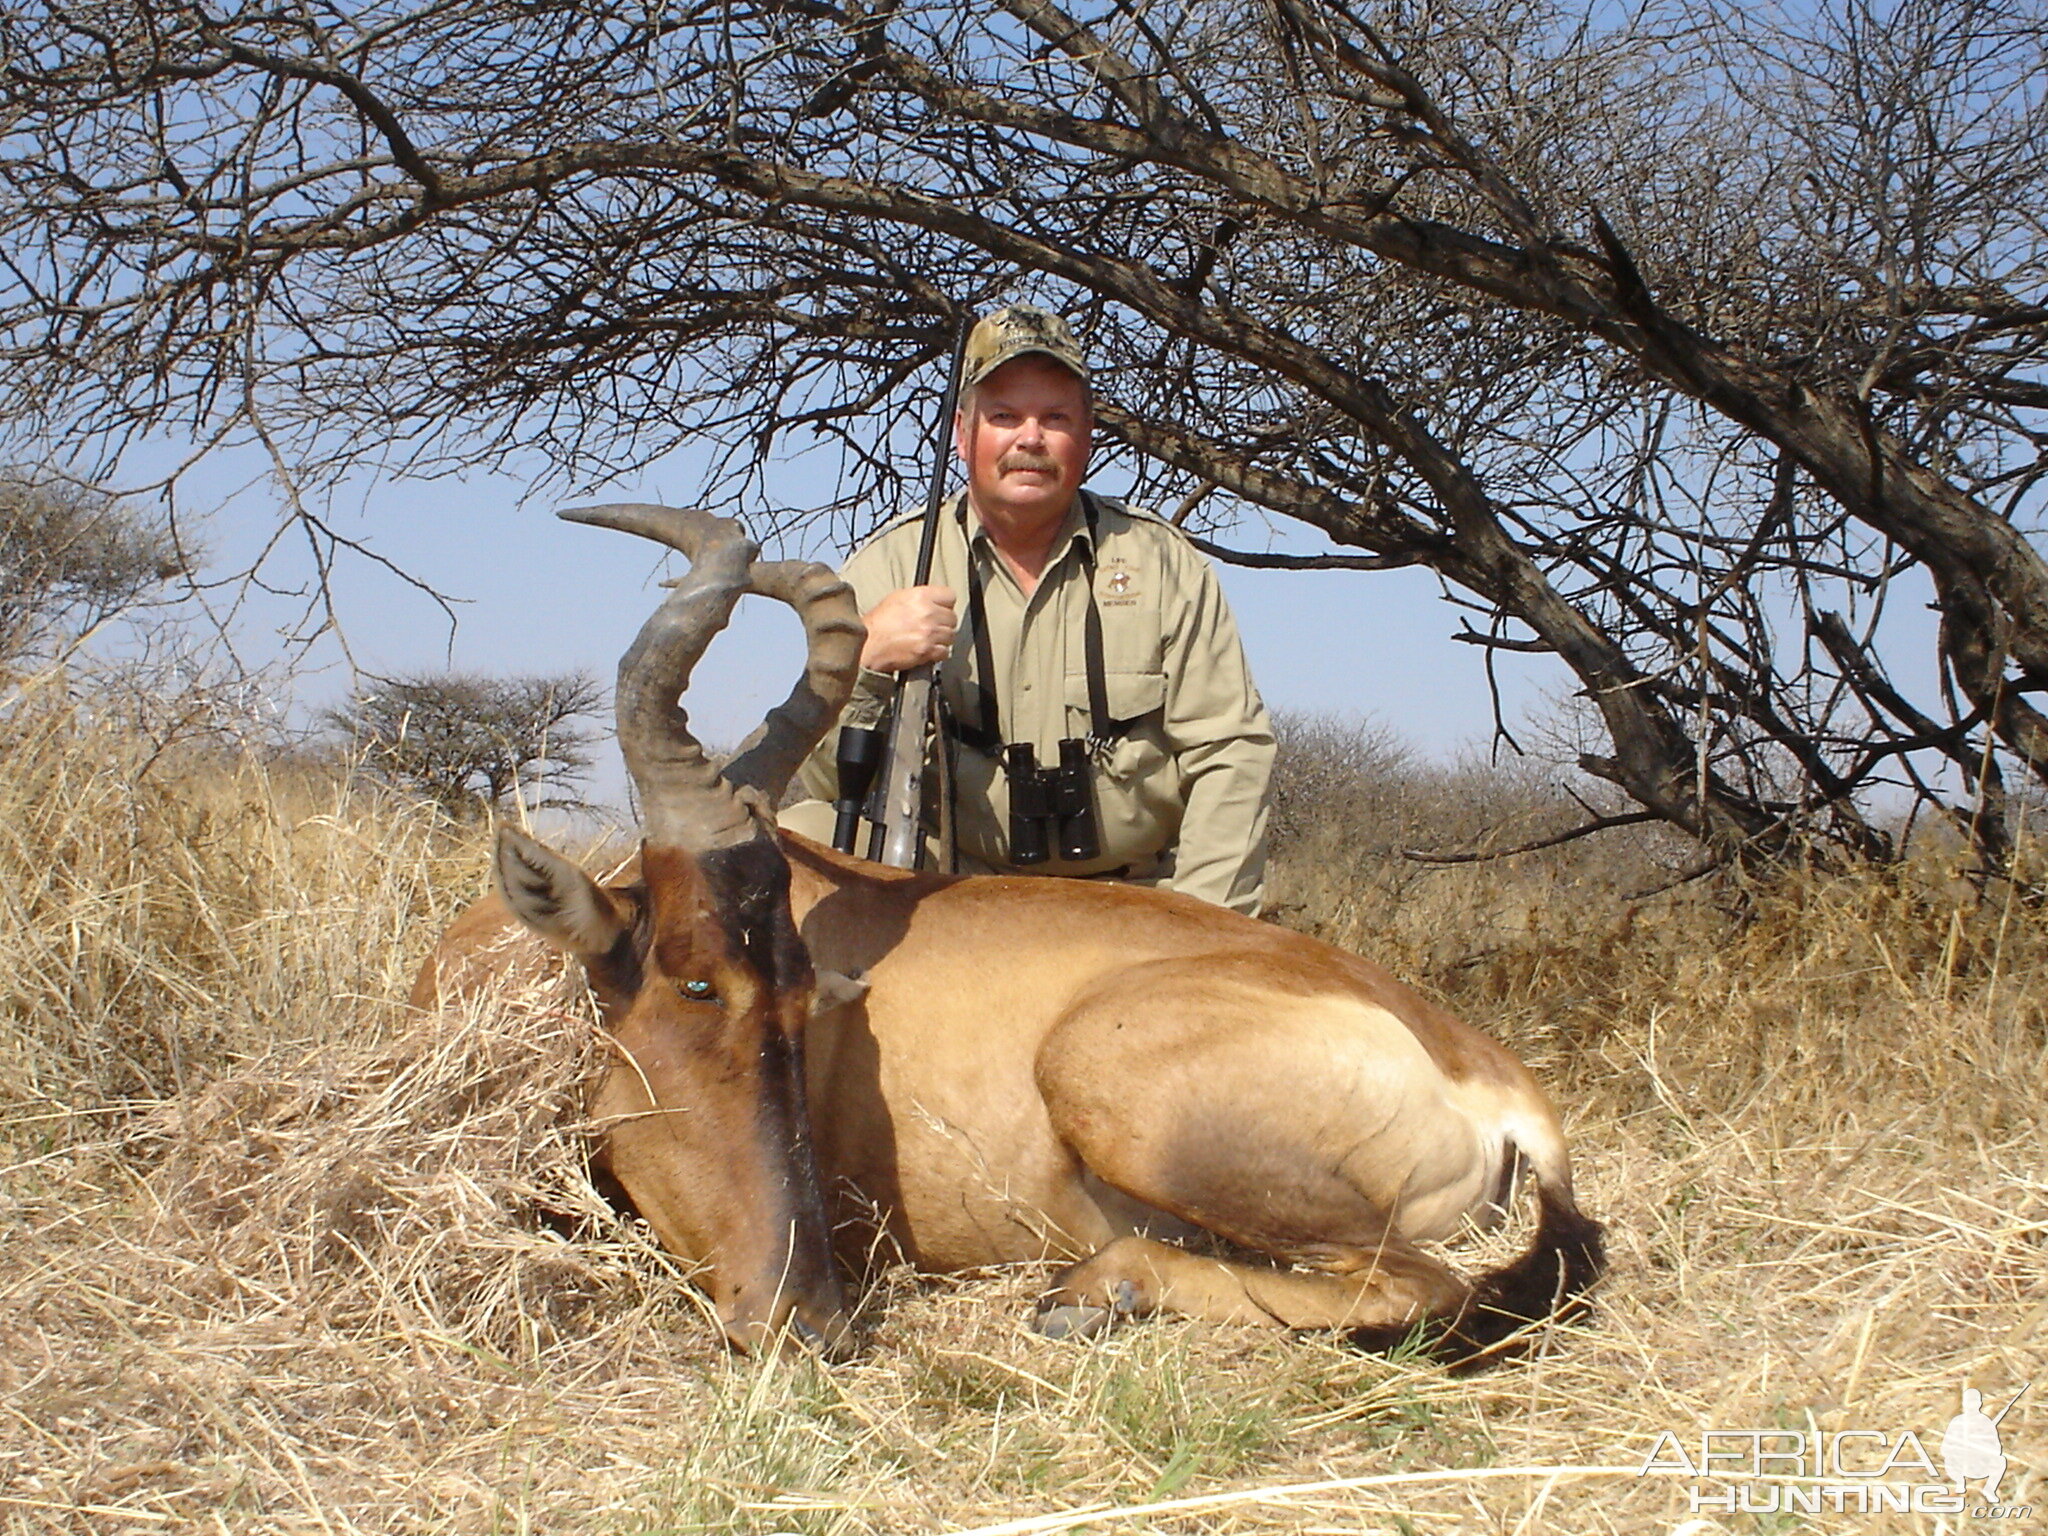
[
  {"x": 1548, "y": 1283},
  {"x": 818, "y": 1055}
]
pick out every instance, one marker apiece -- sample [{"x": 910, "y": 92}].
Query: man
[{"x": 1151, "y": 695}]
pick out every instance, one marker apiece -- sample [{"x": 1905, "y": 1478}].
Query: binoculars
[{"x": 1051, "y": 803}]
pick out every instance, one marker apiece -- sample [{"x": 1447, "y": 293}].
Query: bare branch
[{"x": 1555, "y": 840}]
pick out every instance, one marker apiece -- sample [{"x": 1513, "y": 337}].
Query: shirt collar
[{"x": 1073, "y": 529}]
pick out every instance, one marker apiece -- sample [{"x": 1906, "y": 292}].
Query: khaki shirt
[{"x": 1180, "y": 799}]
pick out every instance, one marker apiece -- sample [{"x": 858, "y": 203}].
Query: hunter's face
[{"x": 1025, "y": 437}]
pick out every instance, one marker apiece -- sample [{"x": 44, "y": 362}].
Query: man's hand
[{"x": 909, "y": 628}]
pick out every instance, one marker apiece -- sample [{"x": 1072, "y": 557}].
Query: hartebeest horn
[
  {"x": 833, "y": 634},
  {"x": 683, "y": 801},
  {"x": 654, "y": 730}
]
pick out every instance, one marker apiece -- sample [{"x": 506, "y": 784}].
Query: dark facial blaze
[
  {"x": 723, "y": 918},
  {"x": 748, "y": 890}
]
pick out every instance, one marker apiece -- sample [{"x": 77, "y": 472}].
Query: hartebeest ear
[{"x": 556, "y": 899}]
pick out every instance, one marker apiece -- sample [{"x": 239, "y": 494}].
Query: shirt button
[{"x": 1027, "y": 688}]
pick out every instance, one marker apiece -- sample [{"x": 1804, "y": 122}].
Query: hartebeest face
[
  {"x": 705, "y": 987},
  {"x": 702, "y": 976}
]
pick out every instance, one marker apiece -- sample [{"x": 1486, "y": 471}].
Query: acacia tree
[
  {"x": 469, "y": 741},
  {"x": 1671, "y": 339},
  {"x": 70, "y": 559}
]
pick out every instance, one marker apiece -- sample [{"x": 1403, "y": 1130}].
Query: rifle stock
[{"x": 903, "y": 788}]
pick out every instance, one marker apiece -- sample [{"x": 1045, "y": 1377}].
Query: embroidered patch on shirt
[{"x": 1119, "y": 588}]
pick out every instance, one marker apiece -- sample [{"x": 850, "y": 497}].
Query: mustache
[{"x": 1021, "y": 459}]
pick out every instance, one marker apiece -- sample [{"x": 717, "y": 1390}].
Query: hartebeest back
[{"x": 824, "y": 1057}]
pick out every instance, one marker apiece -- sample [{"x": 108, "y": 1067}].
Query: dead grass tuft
[
  {"x": 170, "y": 907},
  {"x": 433, "y": 1181}
]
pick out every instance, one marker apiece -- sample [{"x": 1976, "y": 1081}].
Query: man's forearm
[{"x": 1220, "y": 855}]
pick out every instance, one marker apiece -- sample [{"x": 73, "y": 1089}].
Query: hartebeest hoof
[
  {"x": 1071, "y": 1322},
  {"x": 1063, "y": 1319}
]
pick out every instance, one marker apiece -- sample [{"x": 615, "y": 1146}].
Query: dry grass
[
  {"x": 280, "y": 1260},
  {"x": 169, "y": 908}
]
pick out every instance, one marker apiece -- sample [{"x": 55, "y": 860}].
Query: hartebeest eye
[{"x": 698, "y": 991}]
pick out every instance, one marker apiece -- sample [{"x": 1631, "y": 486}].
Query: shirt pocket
[
  {"x": 1137, "y": 701},
  {"x": 1133, "y": 663},
  {"x": 1133, "y": 637},
  {"x": 1131, "y": 695}
]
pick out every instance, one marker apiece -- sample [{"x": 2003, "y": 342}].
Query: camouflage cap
[{"x": 1013, "y": 331}]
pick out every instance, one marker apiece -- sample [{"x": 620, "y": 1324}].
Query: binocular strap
[{"x": 985, "y": 734}]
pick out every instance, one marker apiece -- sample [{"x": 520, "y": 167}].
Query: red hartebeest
[{"x": 1001, "y": 1069}]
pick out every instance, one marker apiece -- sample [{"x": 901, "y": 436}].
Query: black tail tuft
[{"x": 1549, "y": 1281}]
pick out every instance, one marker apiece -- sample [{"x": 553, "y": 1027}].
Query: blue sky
[{"x": 536, "y": 594}]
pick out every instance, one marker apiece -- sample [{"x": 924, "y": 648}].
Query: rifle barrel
[{"x": 903, "y": 767}]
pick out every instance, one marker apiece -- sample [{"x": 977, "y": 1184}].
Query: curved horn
[
  {"x": 833, "y": 634},
  {"x": 683, "y": 800}
]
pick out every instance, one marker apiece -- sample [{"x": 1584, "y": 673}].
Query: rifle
[{"x": 896, "y": 839}]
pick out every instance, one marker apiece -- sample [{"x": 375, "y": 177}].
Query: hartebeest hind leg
[
  {"x": 1357, "y": 1273},
  {"x": 1313, "y": 1129},
  {"x": 1135, "y": 1276}
]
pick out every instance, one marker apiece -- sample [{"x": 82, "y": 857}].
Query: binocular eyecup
[{"x": 1048, "y": 804}]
